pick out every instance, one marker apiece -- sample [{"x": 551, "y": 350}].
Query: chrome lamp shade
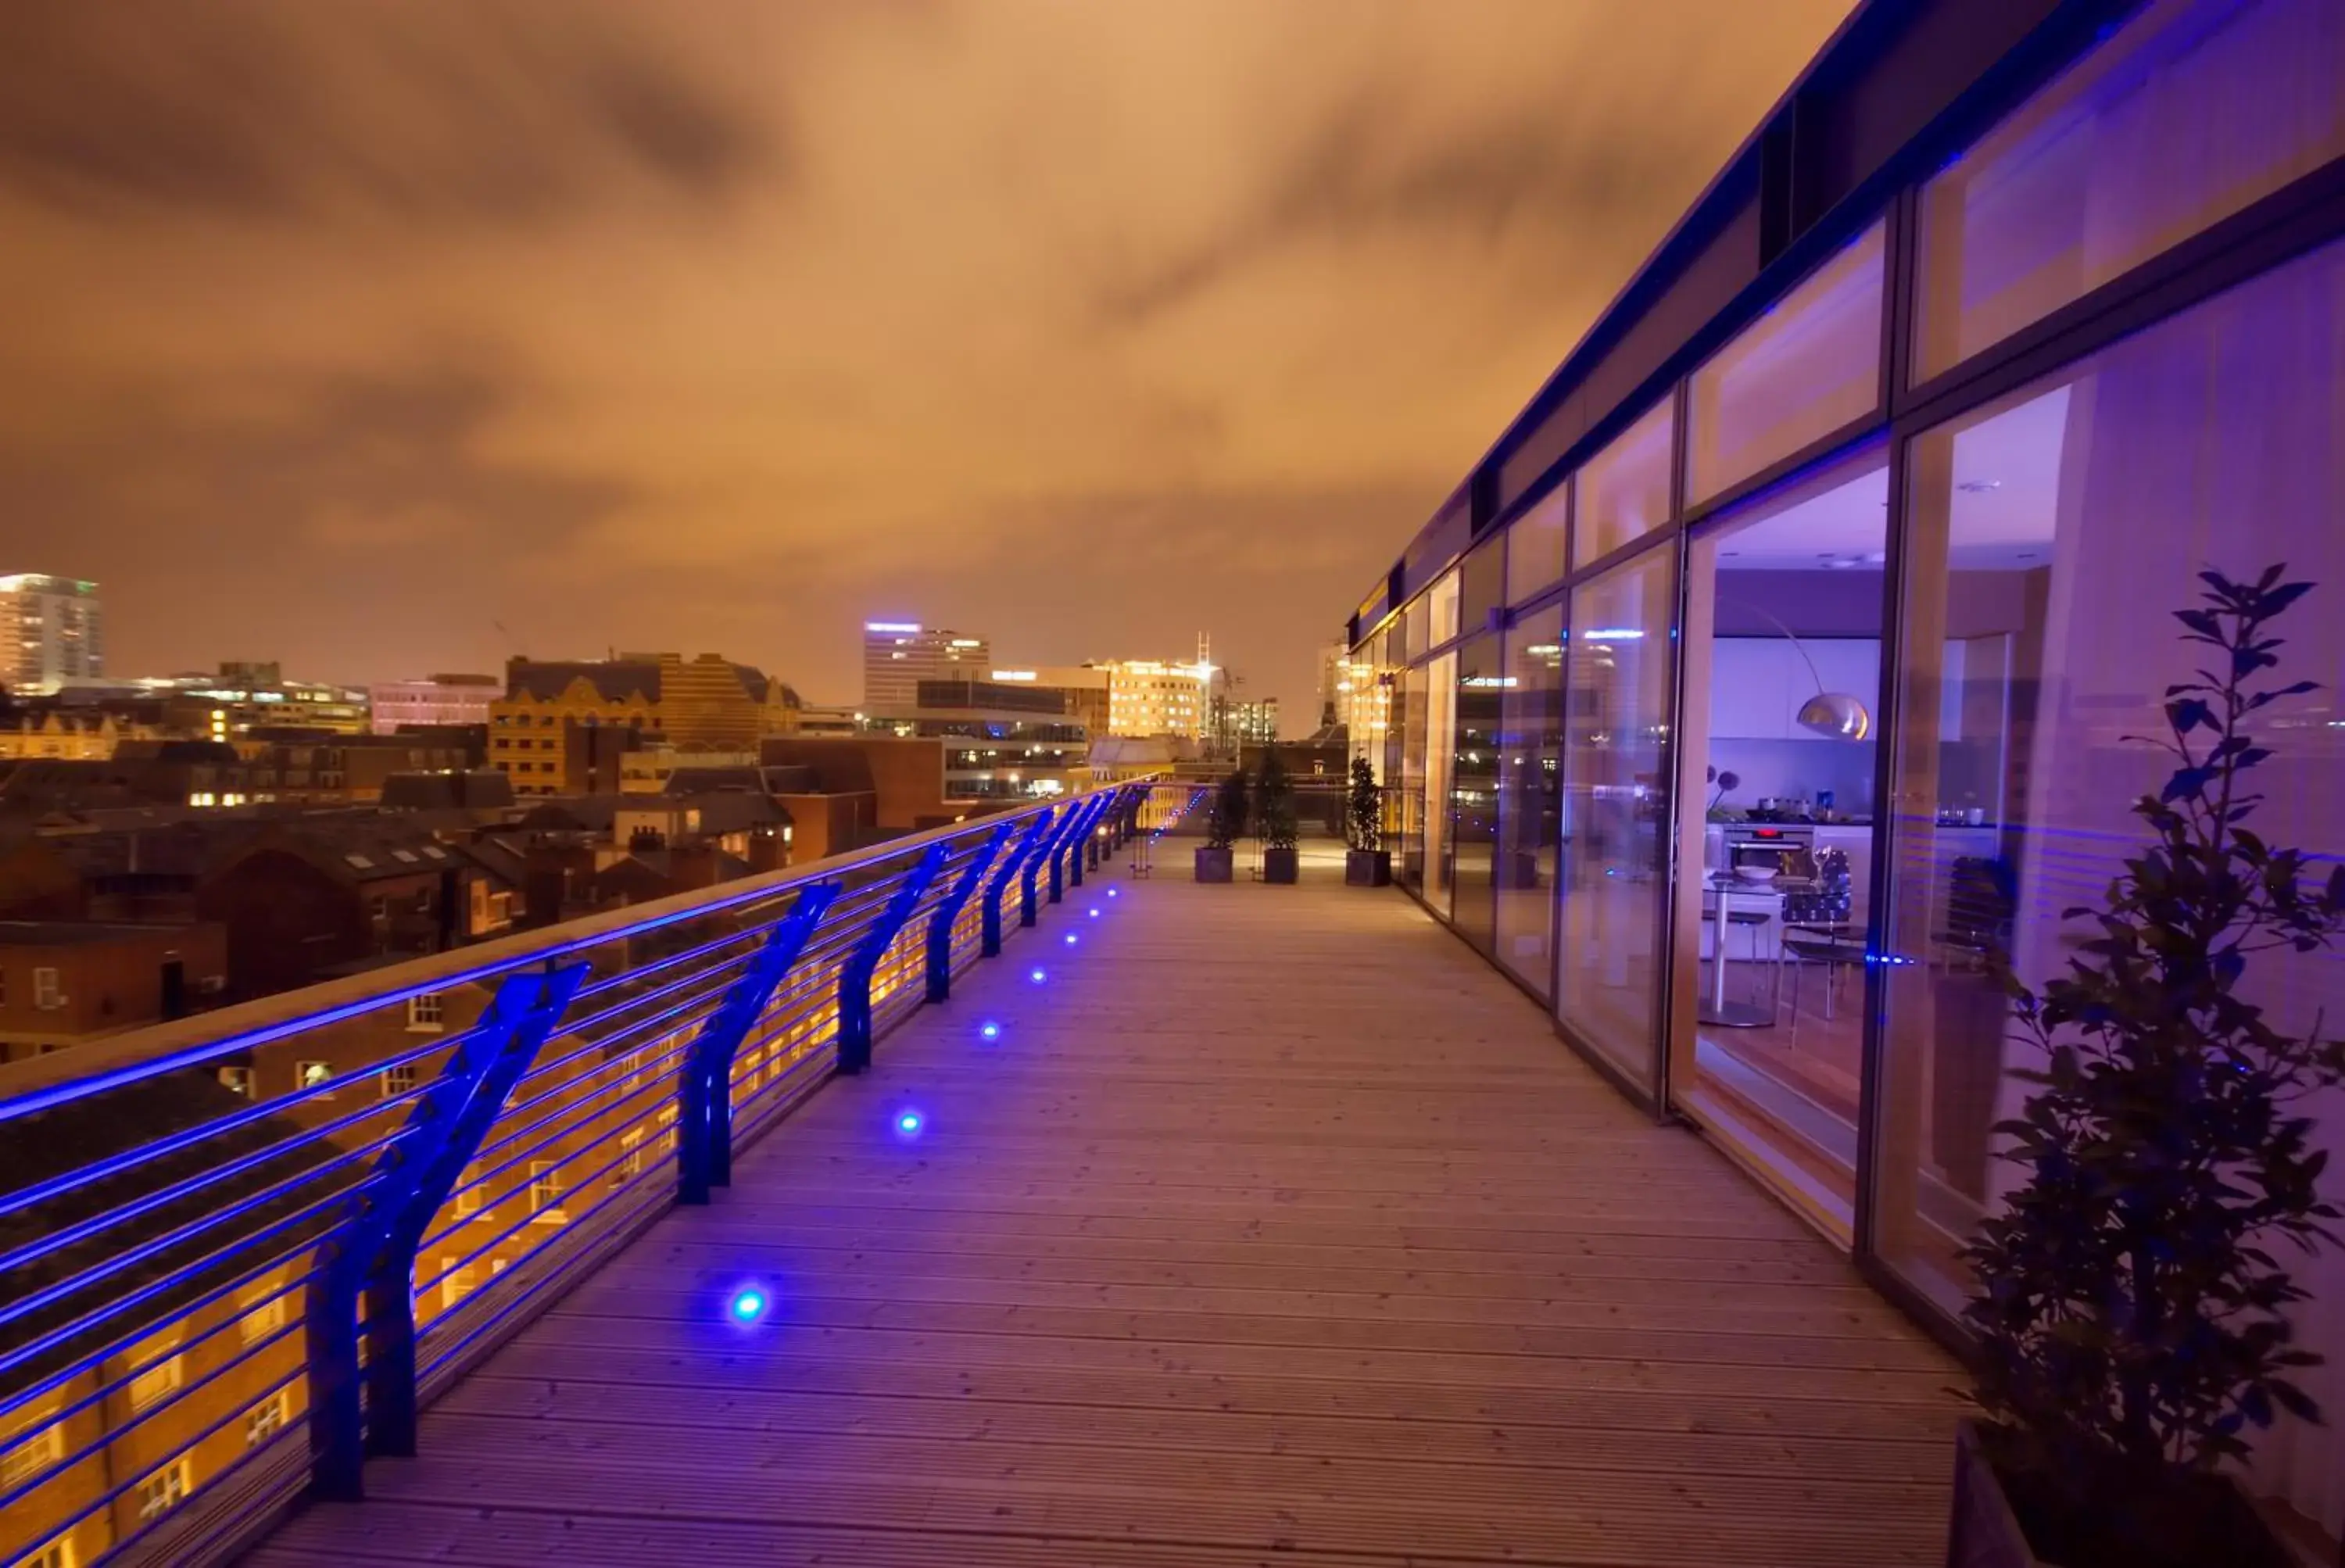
[{"x": 1836, "y": 715}]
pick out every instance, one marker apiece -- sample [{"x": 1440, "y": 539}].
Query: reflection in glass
[
  {"x": 2050, "y": 536},
  {"x": 1409, "y": 856},
  {"x": 1474, "y": 788},
  {"x": 1483, "y": 586},
  {"x": 1440, "y": 765},
  {"x": 1783, "y": 602},
  {"x": 1615, "y": 808},
  {"x": 1531, "y": 737},
  {"x": 2193, "y": 111},
  {"x": 1810, "y": 366},
  {"x": 1623, "y": 492},
  {"x": 1535, "y": 545}
]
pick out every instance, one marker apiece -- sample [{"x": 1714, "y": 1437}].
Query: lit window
[
  {"x": 545, "y": 1192},
  {"x": 262, "y": 1316},
  {"x": 310, "y": 1074},
  {"x": 425, "y": 1012},
  {"x": 56, "y": 1553},
  {"x": 397, "y": 1081},
  {"x": 631, "y": 1156},
  {"x": 265, "y": 1419},
  {"x": 237, "y": 1080},
  {"x": 455, "y": 1283},
  {"x": 161, "y": 1379},
  {"x": 30, "y": 1450},
  {"x": 48, "y": 993},
  {"x": 164, "y": 1490}
]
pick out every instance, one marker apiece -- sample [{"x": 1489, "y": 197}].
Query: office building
[
  {"x": 899, "y": 655},
  {"x": 1157, "y": 696},
  {"x": 440, "y": 699},
  {"x": 51, "y": 632},
  {"x": 245, "y": 696},
  {"x": 1251, "y": 722}
]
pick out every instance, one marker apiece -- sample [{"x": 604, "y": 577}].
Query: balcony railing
[{"x": 239, "y": 1252}]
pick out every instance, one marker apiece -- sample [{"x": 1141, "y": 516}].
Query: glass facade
[
  {"x": 2193, "y": 111},
  {"x": 1622, "y": 493},
  {"x": 2050, "y": 534},
  {"x": 1474, "y": 788},
  {"x": 1864, "y": 791},
  {"x": 1536, "y": 544},
  {"x": 1810, "y": 366},
  {"x": 1615, "y": 800},
  {"x": 1531, "y": 799}
]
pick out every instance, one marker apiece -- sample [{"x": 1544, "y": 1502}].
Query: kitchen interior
[{"x": 1783, "y": 636}]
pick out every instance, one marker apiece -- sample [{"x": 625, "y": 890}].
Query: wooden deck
[{"x": 1275, "y": 1229}]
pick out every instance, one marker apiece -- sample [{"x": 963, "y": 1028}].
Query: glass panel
[
  {"x": 1441, "y": 729},
  {"x": 2051, "y": 537},
  {"x": 1623, "y": 493},
  {"x": 1783, "y": 647},
  {"x": 1529, "y": 798},
  {"x": 1409, "y": 862},
  {"x": 1474, "y": 786},
  {"x": 1808, "y": 367},
  {"x": 1615, "y": 805},
  {"x": 1444, "y": 601},
  {"x": 1485, "y": 586},
  {"x": 1535, "y": 545},
  {"x": 2194, "y": 110},
  {"x": 1414, "y": 621}
]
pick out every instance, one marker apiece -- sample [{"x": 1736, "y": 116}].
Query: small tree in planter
[
  {"x": 1224, "y": 821},
  {"x": 1367, "y": 862},
  {"x": 1274, "y": 820},
  {"x": 2129, "y": 1306}
]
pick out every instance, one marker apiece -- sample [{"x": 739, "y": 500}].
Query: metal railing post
[
  {"x": 948, "y": 910},
  {"x": 854, "y": 975},
  {"x": 1066, "y": 861},
  {"x": 1037, "y": 832},
  {"x": 370, "y": 1256},
  {"x": 1027, "y": 897},
  {"x": 704, "y": 1145}
]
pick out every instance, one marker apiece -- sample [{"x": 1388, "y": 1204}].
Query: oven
[{"x": 1776, "y": 847}]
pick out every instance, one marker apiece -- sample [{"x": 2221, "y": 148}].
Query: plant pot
[
  {"x": 1215, "y": 865},
  {"x": 1278, "y": 865},
  {"x": 1367, "y": 867},
  {"x": 1984, "y": 1529}
]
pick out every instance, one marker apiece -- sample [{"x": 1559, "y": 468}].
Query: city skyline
[{"x": 450, "y": 333}]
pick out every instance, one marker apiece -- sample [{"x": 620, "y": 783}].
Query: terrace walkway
[{"x": 1275, "y": 1227}]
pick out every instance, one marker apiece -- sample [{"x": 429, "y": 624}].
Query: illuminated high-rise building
[
  {"x": 1152, "y": 697},
  {"x": 50, "y": 633},
  {"x": 899, "y": 655}
]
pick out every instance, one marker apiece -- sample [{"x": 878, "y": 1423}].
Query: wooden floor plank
[{"x": 1275, "y": 1227}]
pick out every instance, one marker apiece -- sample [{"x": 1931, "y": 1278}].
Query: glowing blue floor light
[
  {"x": 1037, "y": 975},
  {"x": 749, "y": 1304},
  {"x": 989, "y": 1031},
  {"x": 1071, "y": 938},
  {"x": 1092, "y": 912},
  {"x": 909, "y": 1122},
  {"x": 1111, "y": 892}
]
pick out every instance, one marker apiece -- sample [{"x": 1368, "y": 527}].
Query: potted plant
[
  {"x": 2130, "y": 1300},
  {"x": 1366, "y": 863},
  {"x": 1274, "y": 820},
  {"x": 1224, "y": 820}
]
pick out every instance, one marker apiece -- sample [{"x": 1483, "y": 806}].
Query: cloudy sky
[{"x": 381, "y": 336}]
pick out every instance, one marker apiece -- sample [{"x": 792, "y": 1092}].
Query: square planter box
[
  {"x": 1214, "y": 865},
  {"x": 1984, "y": 1532},
  {"x": 1278, "y": 865},
  {"x": 1367, "y": 867}
]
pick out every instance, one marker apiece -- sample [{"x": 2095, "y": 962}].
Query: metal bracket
[
  {"x": 704, "y": 1145},
  {"x": 1038, "y": 830},
  {"x": 371, "y": 1253},
  {"x": 1061, "y": 832},
  {"x": 854, "y": 975},
  {"x": 949, "y": 908}
]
